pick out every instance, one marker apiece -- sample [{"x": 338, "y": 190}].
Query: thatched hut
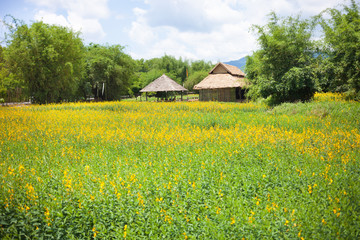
[
  {"x": 225, "y": 83},
  {"x": 164, "y": 84}
]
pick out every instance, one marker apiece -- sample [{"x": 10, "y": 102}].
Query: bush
[{"x": 297, "y": 84}]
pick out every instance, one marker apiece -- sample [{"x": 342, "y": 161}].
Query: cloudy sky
[{"x": 214, "y": 30}]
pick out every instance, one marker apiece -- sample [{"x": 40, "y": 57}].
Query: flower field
[{"x": 181, "y": 170}]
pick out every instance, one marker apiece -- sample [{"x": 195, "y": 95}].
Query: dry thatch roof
[
  {"x": 223, "y": 76},
  {"x": 221, "y": 81},
  {"x": 163, "y": 84},
  {"x": 233, "y": 70}
]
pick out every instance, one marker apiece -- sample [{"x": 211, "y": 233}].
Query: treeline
[
  {"x": 185, "y": 72},
  {"x": 296, "y": 58},
  {"x": 50, "y": 63},
  {"x": 299, "y": 57}
]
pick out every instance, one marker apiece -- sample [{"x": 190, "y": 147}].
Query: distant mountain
[{"x": 238, "y": 63}]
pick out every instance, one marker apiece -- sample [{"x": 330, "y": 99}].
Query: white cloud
[
  {"x": 83, "y": 8},
  {"x": 51, "y": 18},
  {"x": 81, "y": 15},
  {"x": 90, "y": 27},
  {"x": 197, "y": 29},
  {"x": 209, "y": 29},
  {"x": 189, "y": 15},
  {"x": 141, "y": 33},
  {"x": 315, "y": 7}
]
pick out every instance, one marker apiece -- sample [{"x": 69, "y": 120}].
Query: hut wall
[
  {"x": 208, "y": 95},
  {"x": 220, "y": 94},
  {"x": 201, "y": 95},
  {"x": 226, "y": 95},
  {"x": 232, "y": 94}
]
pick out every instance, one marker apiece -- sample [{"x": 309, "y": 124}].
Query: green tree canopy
[
  {"x": 342, "y": 47},
  {"x": 12, "y": 86},
  {"x": 182, "y": 71},
  {"x": 195, "y": 78},
  {"x": 48, "y": 58},
  {"x": 109, "y": 71},
  {"x": 286, "y": 50}
]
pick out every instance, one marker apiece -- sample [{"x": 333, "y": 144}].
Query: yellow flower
[
  {"x": 310, "y": 189},
  {"x": 218, "y": 210},
  {"x": 125, "y": 228}
]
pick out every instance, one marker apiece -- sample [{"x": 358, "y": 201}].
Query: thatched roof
[
  {"x": 223, "y": 76},
  {"x": 163, "y": 84},
  {"x": 233, "y": 70},
  {"x": 220, "y": 81}
]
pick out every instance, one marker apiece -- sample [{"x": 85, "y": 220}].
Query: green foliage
[
  {"x": 147, "y": 77},
  {"x": 296, "y": 84},
  {"x": 50, "y": 64},
  {"x": 174, "y": 68},
  {"x": 202, "y": 170},
  {"x": 201, "y": 65},
  {"x": 195, "y": 78},
  {"x": 324, "y": 70},
  {"x": 108, "y": 70},
  {"x": 12, "y": 86},
  {"x": 48, "y": 58},
  {"x": 181, "y": 71},
  {"x": 286, "y": 50},
  {"x": 342, "y": 44}
]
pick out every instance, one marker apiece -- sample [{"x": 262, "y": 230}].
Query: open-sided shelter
[
  {"x": 225, "y": 83},
  {"x": 164, "y": 84}
]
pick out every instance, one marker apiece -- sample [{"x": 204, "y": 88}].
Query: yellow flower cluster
[
  {"x": 328, "y": 97},
  {"x": 178, "y": 164}
]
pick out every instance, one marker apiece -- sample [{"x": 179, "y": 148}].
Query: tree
[
  {"x": 201, "y": 65},
  {"x": 182, "y": 71},
  {"x": 12, "y": 86},
  {"x": 108, "y": 70},
  {"x": 48, "y": 58},
  {"x": 342, "y": 46},
  {"x": 286, "y": 50},
  {"x": 195, "y": 78}
]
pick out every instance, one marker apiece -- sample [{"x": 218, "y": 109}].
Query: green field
[{"x": 181, "y": 170}]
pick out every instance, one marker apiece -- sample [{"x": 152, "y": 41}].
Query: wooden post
[
  {"x": 181, "y": 95},
  {"x": 146, "y": 96}
]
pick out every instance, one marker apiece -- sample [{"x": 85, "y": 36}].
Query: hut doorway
[{"x": 240, "y": 94}]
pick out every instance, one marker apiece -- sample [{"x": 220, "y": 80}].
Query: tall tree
[
  {"x": 108, "y": 70},
  {"x": 195, "y": 78},
  {"x": 342, "y": 46},
  {"x": 12, "y": 86},
  {"x": 48, "y": 58},
  {"x": 182, "y": 71},
  {"x": 286, "y": 50}
]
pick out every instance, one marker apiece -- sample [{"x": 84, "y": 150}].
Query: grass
[{"x": 180, "y": 170}]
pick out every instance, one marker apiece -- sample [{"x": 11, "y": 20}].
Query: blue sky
[{"x": 213, "y": 30}]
